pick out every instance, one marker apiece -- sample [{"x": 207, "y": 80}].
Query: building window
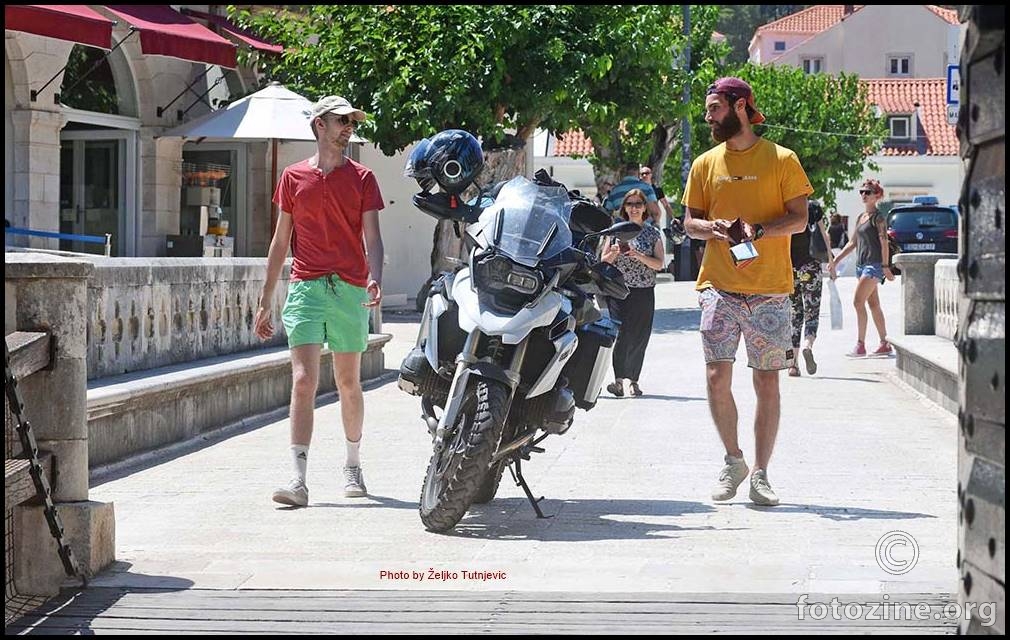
[
  {"x": 813, "y": 65},
  {"x": 899, "y": 65},
  {"x": 900, "y": 127},
  {"x": 780, "y": 45},
  {"x": 98, "y": 92}
]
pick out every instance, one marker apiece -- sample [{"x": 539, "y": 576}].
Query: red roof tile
[
  {"x": 573, "y": 143},
  {"x": 821, "y": 17},
  {"x": 899, "y": 96},
  {"x": 950, "y": 15},
  {"x": 814, "y": 19}
]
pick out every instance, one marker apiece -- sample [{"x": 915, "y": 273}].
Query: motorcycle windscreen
[{"x": 527, "y": 222}]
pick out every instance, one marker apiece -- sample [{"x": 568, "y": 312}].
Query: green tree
[
  {"x": 628, "y": 98},
  {"x": 827, "y": 120},
  {"x": 498, "y": 71},
  {"x": 494, "y": 70}
]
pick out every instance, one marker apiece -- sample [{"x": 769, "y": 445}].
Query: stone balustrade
[
  {"x": 946, "y": 300},
  {"x": 144, "y": 313}
]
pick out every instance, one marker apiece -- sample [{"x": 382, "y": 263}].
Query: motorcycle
[{"x": 511, "y": 341}]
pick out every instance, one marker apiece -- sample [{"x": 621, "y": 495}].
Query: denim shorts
[
  {"x": 326, "y": 310},
  {"x": 873, "y": 270}
]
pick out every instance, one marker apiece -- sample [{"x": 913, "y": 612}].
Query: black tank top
[{"x": 868, "y": 242}]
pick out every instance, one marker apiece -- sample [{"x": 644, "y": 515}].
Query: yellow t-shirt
[{"x": 753, "y": 185}]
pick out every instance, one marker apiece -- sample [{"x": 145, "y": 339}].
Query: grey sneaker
[
  {"x": 730, "y": 478},
  {"x": 296, "y": 494},
  {"x": 760, "y": 491},
  {"x": 354, "y": 483}
]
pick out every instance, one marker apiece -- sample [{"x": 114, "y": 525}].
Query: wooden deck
[{"x": 203, "y": 611}]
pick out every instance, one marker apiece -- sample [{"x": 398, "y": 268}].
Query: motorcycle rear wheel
[{"x": 455, "y": 474}]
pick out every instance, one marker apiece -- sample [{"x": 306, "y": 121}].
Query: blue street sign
[{"x": 953, "y": 84}]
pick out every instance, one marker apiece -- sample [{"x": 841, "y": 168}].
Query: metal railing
[{"x": 106, "y": 240}]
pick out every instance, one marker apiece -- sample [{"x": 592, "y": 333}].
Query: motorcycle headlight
[{"x": 500, "y": 276}]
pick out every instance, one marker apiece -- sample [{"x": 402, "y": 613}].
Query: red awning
[
  {"x": 166, "y": 32},
  {"x": 73, "y": 22},
  {"x": 230, "y": 28}
]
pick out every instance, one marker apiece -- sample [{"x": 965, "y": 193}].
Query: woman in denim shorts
[{"x": 872, "y": 268}]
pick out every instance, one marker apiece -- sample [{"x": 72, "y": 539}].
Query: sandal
[
  {"x": 635, "y": 390},
  {"x": 808, "y": 359},
  {"x": 616, "y": 388},
  {"x": 794, "y": 371}
]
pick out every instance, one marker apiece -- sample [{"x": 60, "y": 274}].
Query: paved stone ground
[{"x": 858, "y": 456}]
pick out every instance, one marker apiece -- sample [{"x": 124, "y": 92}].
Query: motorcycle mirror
[{"x": 626, "y": 231}]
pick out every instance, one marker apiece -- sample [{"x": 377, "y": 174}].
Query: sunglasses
[
  {"x": 866, "y": 192},
  {"x": 344, "y": 120}
]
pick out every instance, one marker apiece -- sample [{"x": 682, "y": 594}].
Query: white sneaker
[
  {"x": 761, "y": 491},
  {"x": 296, "y": 494},
  {"x": 354, "y": 483},
  {"x": 734, "y": 473}
]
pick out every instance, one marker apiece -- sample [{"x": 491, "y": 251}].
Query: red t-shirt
[{"x": 326, "y": 211}]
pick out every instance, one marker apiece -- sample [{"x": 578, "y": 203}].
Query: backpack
[{"x": 817, "y": 247}]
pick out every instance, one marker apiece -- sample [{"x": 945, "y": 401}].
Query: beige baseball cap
[{"x": 337, "y": 105}]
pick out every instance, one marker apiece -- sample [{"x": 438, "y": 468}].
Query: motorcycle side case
[
  {"x": 441, "y": 337},
  {"x": 590, "y": 364}
]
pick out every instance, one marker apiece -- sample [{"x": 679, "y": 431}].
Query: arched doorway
[{"x": 98, "y": 151}]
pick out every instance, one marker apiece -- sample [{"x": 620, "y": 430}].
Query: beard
[{"x": 726, "y": 128}]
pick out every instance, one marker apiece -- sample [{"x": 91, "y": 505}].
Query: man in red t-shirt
[{"x": 328, "y": 204}]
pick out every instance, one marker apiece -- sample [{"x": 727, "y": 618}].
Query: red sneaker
[
  {"x": 883, "y": 350},
  {"x": 858, "y": 352}
]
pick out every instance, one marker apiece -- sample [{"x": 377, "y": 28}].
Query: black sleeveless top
[{"x": 868, "y": 242}]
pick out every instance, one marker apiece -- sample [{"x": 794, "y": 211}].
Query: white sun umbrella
[{"x": 273, "y": 113}]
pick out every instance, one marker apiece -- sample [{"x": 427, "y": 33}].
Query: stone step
[
  {"x": 142, "y": 411},
  {"x": 929, "y": 364}
]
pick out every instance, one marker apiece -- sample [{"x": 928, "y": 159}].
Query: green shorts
[{"x": 326, "y": 310}]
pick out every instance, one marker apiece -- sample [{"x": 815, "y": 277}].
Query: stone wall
[{"x": 144, "y": 313}]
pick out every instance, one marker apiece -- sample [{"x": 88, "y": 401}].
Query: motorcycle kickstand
[{"x": 517, "y": 475}]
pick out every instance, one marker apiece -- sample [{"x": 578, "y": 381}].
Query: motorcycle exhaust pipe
[{"x": 518, "y": 443}]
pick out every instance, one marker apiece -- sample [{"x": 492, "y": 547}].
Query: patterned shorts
[{"x": 763, "y": 321}]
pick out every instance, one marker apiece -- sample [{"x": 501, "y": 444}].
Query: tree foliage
[
  {"x": 494, "y": 70},
  {"x": 632, "y": 106},
  {"x": 827, "y": 120}
]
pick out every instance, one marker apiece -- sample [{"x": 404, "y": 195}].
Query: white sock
[
  {"x": 300, "y": 458},
  {"x": 353, "y": 455}
]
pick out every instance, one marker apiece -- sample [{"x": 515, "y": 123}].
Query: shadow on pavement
[
  {"x": 653, "y": 396},
  {"x": 844, "y": 379},
  {"x": 671, "y": 320},
  {"x": 841, "y": 514},
  {"x": 369, "y": 502},
  {"x": 577, "y": 520},
  {"x": 73, "y": 611}
]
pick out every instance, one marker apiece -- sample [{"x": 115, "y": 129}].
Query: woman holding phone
[{"x": 639, "y": 260}]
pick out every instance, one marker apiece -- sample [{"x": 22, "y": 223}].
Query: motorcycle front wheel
[{"x": 455, "y": 474}]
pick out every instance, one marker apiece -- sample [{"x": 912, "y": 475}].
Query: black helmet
[
  {"x": 452, "y": 158},
  {"x": 417, "y": 165}
]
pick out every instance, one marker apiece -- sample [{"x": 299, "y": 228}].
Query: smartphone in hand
[{"x": 624, "y": 246}]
